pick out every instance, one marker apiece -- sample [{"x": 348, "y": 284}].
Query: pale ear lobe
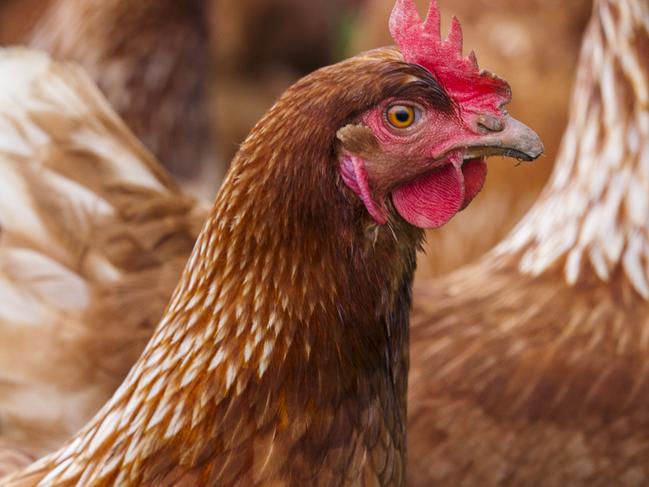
[{"x": 358, "y": 139}]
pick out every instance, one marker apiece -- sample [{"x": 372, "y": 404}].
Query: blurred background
[{"x": 256, "y": 49}]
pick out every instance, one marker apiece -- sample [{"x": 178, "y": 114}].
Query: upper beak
[{"x": 509, "y": 138}]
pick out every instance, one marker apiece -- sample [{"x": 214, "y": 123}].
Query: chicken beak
[{"x": 509, "y": 138}]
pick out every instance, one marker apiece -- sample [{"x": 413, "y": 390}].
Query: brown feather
[
  {"x": 150, "y": 60},
  {"x": 93, "y": 237}
]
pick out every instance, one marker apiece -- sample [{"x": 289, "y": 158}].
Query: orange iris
[{"x": 401, "y": 116}]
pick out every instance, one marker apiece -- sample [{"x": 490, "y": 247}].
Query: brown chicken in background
[
  {"x": 534, "y": 44},
  {"x": 149, "y": 57},
  {"x": 93, "y": 238},
  {"x": 266, "y": 368},
  {"x": 531, "y": 367}
]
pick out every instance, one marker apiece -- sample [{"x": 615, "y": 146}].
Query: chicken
[
  {"x": 534, "y": 44},
  {"x": 93, "y": 238},
  {"x": 531, "y": 366},
  {"x": 149, "y": 58},
  {"x": 267, "y": 368}
]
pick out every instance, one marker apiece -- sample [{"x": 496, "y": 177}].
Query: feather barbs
[{"x": 421, "y": 43}]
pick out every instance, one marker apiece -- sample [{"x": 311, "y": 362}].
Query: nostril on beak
[{"x": 490, "y": 124}]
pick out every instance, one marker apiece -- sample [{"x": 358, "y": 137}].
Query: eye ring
[{"x": 401, "y": 116}]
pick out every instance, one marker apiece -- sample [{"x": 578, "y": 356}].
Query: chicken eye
[{"x": 401, "y": 116}]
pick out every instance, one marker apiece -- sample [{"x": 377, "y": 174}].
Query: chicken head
[{"x": 421, "y": 153}]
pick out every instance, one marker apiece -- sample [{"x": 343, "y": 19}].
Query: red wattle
[
  {"x": 475, "y": 173},
  {"x": 431, "y": 200}
]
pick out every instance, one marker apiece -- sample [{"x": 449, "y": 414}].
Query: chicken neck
[{"x": 283, "y": 354}]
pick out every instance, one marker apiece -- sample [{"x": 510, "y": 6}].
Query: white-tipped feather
[{"x": 599, "y": 189}]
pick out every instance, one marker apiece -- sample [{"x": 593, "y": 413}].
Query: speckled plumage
[{"x": 531, "y": 366}]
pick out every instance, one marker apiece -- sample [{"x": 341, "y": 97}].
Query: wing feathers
[{"x": 93, "y": 237}]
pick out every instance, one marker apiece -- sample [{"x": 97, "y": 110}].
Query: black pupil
[{"x": 403, "y": 116}]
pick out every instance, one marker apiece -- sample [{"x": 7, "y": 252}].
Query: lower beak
[{"x": 512, "y": 139}]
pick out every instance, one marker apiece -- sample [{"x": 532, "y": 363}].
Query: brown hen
[
  {"x": 531, "y": 366},
  {"x": 282, "y": 356}
]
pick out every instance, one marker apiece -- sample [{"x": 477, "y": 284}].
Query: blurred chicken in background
[
  {"x": 530, "y": 367},
  {"x": 148, "y": 57}
]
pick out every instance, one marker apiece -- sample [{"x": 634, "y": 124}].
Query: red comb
[{"x": 421, "y": 43}]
